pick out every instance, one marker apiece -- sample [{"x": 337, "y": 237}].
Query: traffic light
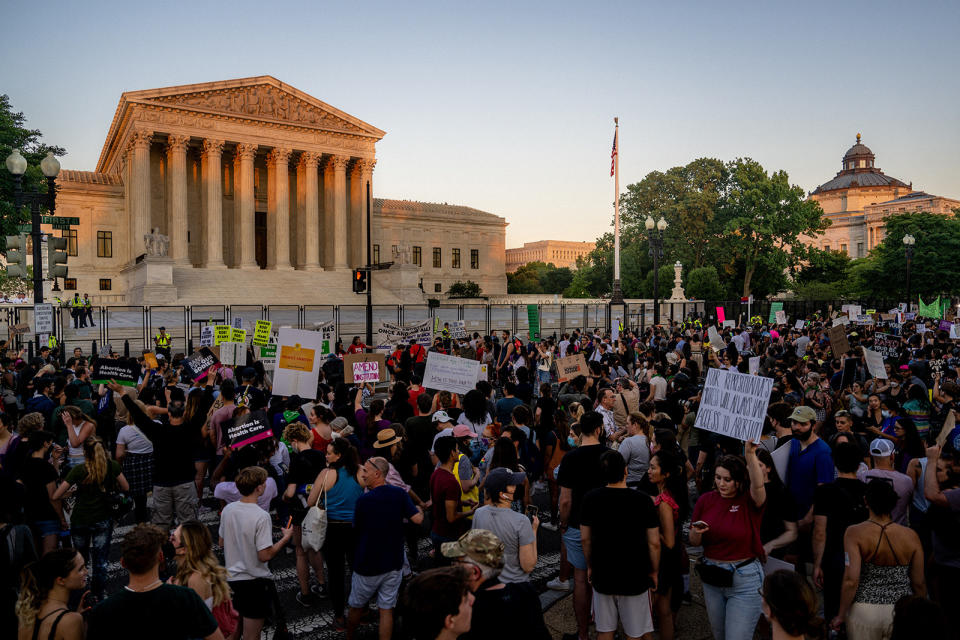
[
  {"x": 359, "y": 280},
  {"x": 17, "y": 256},
  {"x": 56, "y": 256}
]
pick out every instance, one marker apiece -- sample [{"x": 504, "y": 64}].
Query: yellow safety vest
[
  {"x": 466, "y": 496},
  {"x": 163, "y": 341},
  {"x": 52, "y": 342},
  {"x": 76, "y": 303}
]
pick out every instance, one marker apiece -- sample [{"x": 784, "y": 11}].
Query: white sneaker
[{"x": 558, "y": 585}]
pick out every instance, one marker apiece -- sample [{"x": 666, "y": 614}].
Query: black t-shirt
[
  {"x": 511, "y": 612},
  {"x": 548, "y": 407},
  {"x": 35, "y": 475},
  {"x": 305, "y": 466},
  {"x": 420, "y": 434},
  {"x": 252, "y": 397},
  {"x": 780, "y": 508},
  {"x": 580, "y": 472},
  {"x": 615, "y": 515},
  {"x": 842, "y": 502},
  {"x": 168, "y": 612}
]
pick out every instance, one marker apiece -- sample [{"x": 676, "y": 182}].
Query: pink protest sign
[
  {"x": 368, "y": 371},
  {"x": 721, "y": 316}
]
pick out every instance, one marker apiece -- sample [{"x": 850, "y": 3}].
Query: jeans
[
  {"x": 93, "y": 543},
  {"x": 733, "y": 611},
  {"x": 337, "y": 551}
]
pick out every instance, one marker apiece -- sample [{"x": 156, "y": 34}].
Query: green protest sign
[
  {"x": 533, "y": 322},
  {"x": 774, "y": 307}
]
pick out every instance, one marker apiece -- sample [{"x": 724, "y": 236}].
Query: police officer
[
  {"x": 76, "y": 310},
  {"x": 162, "y": 342},
  {"x": 88, "y": 309}
]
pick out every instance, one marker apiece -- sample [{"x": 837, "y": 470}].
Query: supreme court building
[{"x": 260, "y": 192}]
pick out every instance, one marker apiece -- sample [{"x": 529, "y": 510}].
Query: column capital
[
  {"x": 309, "y": 159},
  {"x": 177, "y": 144},
  {"x": 339, "y": 163},
  {"x": 212, "y": 146},
  {"x": 141, "y": 139},
  {"x": 279, "y": 156},
  {"x": 245, "y": 151}
]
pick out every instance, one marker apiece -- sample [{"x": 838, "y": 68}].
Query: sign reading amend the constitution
[
  {"x": 734, "y": 404},
  {"x": 449, "y": 373}
]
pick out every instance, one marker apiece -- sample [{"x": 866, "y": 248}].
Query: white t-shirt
[
  {"x": 564, "y": 345},
  {"x": 475, "y": 427},
  {"x": 133, "y": 439},
  {"x": 227, "y": 491},
  {"x": 245, "y": 529},
  {"x": 659, "y": 386}
]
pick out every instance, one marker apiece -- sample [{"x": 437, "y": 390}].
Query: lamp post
[
  {"x": 50, "y": 166},
  {"x": 908, "y": 242},
  {"x": 655, "y": 238}
]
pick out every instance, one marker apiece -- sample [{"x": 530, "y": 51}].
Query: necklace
[{"x": 146, "y": 588}]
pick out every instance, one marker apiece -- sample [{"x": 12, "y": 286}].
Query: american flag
[{"x": 613, "y": 153}]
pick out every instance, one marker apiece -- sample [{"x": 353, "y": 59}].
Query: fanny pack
[{"x": 717, "y": 576}]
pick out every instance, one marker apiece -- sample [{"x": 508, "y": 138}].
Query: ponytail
[
  {"x": 38, "y": 578},
  {"x": 95, "y": 461}
]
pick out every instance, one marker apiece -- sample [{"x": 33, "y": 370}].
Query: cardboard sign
[
  {"x": 721, "y": 316},
  {"x": 151, "y": 361},
  {"x": 781, "y": 317},
  {"x": 754, "y": 364},
  {"x": 734, "y": 404},
  {"x": 774, "y": 307},
  {"x": 206, "y": 336},
  {"x": 233, "y": 353},
  {"x": 729, "y": 324},
  {"x": 199, "y": 362},
  {"x": 449, "y": 373},
  {"x": 123, "y": 371},
  {"x": 221, "y": 333},
  {"x": 352, "y": 359},
  {"x": 368, "y": 371},
  {"x": 389, "y": 334},
  {"x": 886, "y": 345},
  {"x": 261, "y": 332},
  {"x": 841, "y": 321},
  {"x": 298, "y": 363},
  {"x": 19, "y": 329},
  {"x": 570, "y": 367},
  {"x": 249, "y": 428},
  {"x": 875, "y": 364},
  {"x": 937, "y": 366},
  {"x": 798, "y": 325},
  {"x": 838, "y": 341},
  {"x": 238, "y": 335}
]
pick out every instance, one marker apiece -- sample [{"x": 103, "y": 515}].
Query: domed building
[{"x": 860, "y": 197}]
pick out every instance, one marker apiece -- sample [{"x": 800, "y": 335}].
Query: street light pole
[
  {"x": 655, "y": 238},
  {"x": 908, "y": 242}
]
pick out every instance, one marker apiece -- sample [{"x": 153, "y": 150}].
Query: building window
[
  {"x": 474, "y": 258},
  {"x": 826, "y": 247},
  {"x": 106, "y": 284},
  {"x": 70, "y": 284},
  {"x": 71, "y": 236},
  {"x": 843, "y": 248},
  {"x": 417, "y": 256},
  {"x": 376, "y": 254},
  {"x": 437, "y": 259},
  {"x": 455, "y": 259},
  {"x": 104, "y": 244},
  {"x": 859, "y": 249},
  {"x": 437, "y": 288}
]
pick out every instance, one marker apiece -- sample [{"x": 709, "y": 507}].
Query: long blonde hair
[
  {"x": 95, "y": 461},
  {"x": 198, "y": 558},
  {"x": 38, "y": 578}
]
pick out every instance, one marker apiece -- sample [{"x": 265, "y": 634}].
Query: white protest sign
[
  {"x": 43, "y": 318},
  {"x": 237, "y": 323},
  {"x": 483, "y": 373},
  {"x": 729, "y": 324},
  {"x": 206, "y": 336},
  {"x": 298, "y": 363},
  {"x": 457, "y": 329},
  {"x": 841, "y": 321},
  {"x": 875, "y": 363},
  {"x": 851, "y": 310},
  {"x": 955, "y": 331},
  {"x": 389, "y": 334},
  {"x": 368, "y": 371},
  {"x": 329, "y": 332},
  {"x": 754, "y": 364},
  {"x": 233, "y": 353},
  {"x": 799, "y": 325},
  {"x": 864, "y": 320},
  {"x": 449, "y": 373},
  {"x": 781, "y": 317},
  {"x": 734, "y": 404},
  {"x": 715, "y": 340}
]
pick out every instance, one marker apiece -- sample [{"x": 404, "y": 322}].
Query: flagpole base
[{"x": 617, "y": 296}]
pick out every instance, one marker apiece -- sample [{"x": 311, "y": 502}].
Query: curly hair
[{"x": 198, "y": 558}]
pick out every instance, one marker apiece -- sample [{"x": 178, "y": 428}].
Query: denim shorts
[
  {"x": 385, "y": 586},
  {"x": 47, "y": 527},
  {"x": 571, "y": 540}
]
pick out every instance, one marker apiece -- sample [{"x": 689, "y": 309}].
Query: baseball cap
[
  {"x": 500, "y": 478},
  {"x": 881, "y": 448},
  {"x": 463, "y": 431},
  {"x": 441, "y": 416},
  {"x": 479, "y": 545},
  {"x": 803, "y": 414}
]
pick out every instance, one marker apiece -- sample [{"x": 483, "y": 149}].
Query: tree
[
  {"x": 539, "y": 277},
  {"x": 557, "y": 280},
  {"x": 703, "y": 283},
  {"x": 14, "y": 135},
  {"x": 823, "y": 266},
  {"x": 762, "y": 218},
  {"x": 664, "y": 282},
  {"x": 468, "y": 289}
]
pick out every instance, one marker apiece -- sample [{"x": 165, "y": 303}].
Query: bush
[
  {"x": 468, "y": 289},
  {"x": 703, "y": 284}
]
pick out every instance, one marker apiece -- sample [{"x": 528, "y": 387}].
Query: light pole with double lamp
[
  {"x": 908, "y": 242},
  {"x": 655, "y": 238}
]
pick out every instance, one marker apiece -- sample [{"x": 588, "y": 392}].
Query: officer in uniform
[
  {"x": 162, "y": 342},
  {"x": 88, "y": 309},
  {"x": 76, "y": 310}
]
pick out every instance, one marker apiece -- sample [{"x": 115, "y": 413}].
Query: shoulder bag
[{"x": 313, "y": 531}]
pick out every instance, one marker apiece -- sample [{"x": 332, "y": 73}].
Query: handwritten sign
[
  {"x": 851, "y": 310},
  {"x": 221, "y": 333},
  {"x": 841, "y": 321},
  {"x": 238, "y": 335},
  {"x": 233, "y": 353},
  {"x": 875, "y": 363},
  {"x": 734, "y": 404},
  {"x": 798, "y": 325},
  {"x": 261, "y": 332},
  {"x": 199, "y": 362},
  {"x": 781, "y": 317},
  {"x": 390, "y": 334},
  {"x": 570, "y": 367},
  {"x": 754, "y": 364},
  {"x": 838, "y": 340},
  {"x": 249, "y": 428},
  {"x": 449, "y": 373},
  {"x": 19, "y": 329},
  {"x": 886, "y": 345},
  {"x": 206, "y": 336},
  {"x": 716, "y": 342},
  {"x": 124, "y": 371},
  {"x": 937, "y": 366},
  {"x": 366, "y": 372},
  {"x": 352, "y": 359},
  {"x": 328, "y": 344},
  {"x": 237, "y": 323}
]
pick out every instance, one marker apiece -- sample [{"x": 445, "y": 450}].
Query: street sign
[
  {"x": 43, "y": 318},
  {"x": 24, "y": 228},
  {"x": 59, "y": 220}
]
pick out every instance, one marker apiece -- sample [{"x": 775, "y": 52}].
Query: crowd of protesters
[{"x": 842, "y": 518}]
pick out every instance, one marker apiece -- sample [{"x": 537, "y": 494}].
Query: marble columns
[
  {"x": 177, "y": 194},
  {"x": 211, "y": 168}
]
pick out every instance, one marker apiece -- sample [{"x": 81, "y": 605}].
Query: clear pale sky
[{"x": 508, "y": 106}]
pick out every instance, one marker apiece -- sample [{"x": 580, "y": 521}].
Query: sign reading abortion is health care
[{"x": 734, "y": 404}]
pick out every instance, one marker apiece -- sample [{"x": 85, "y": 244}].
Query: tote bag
[{"x": 313, "y": 531}]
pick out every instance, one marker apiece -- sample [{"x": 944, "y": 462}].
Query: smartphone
[
  {"x": 699, "y": 523},
  {"x": 531, "y": 511}
]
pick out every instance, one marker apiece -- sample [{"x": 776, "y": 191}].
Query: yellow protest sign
[
  {"x": 221, "y": 333},
  {"x": 261, "y": 332}
]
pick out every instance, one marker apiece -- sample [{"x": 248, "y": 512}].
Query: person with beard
[{"x": 810, "y": 464}]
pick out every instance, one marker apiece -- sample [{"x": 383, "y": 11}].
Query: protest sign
[
  {"x": 378, "y": 366},
  {"x": 238, "y": 335},
  {"x": 43, "y": 318},
  {"x": 261, "y": 332},
  {"x": 233, "y": 353},
  {"x": 955, "y": 331},
  {"x": 886, "y": 345},
  {"x": 458, "y": 329},
  {"x": 484, "y": 372},
  {"x": 249, "y": 428},
  {"x": 206, "y": 336},
  {"x": 389, "y": 334},
  {"x": 237, "y": 323},
  {"x": 729, "y": 324},
  {"x": 105, "y": 350},
  {"x": 570, "y": 367},
  {"x": 449, "y": 373},
  {"x": 298, "y": 363},
  {"x": 781, "y": 317},
  {"x": 221, "y": 333},
  {"x": 841, "y": 321},
  {"x": 533, "y": 322},
  {"x": 945, "y": 325},
  {"x": 716, "y": 342},
  {"x": 838, "y": 340},
  {"x": 734, "y": 404},
  {"x": 754, "y": 364},
  {"x": 774, "y": 307},
  {"x": 874, "y": 362},
  {"x": 851, "y": 310},
  {"x": 123, "y": 370},
  {"x": 798, "y": 325},
  {"x": 199, "y": 362},
  {"x": 19, "y": 329},
  {"x": 937, "y": 366},
  {"x": 267, "y": 354},
  {"x": 151, "y": 361},
  {"x": 864, "y": 320},
  {"x": 721, "y": 316},
  {"x": 328, "y": 343}
]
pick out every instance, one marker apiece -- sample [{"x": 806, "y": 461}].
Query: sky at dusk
[{"x": 508, "y": 106}]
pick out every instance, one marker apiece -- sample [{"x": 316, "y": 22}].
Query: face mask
[
  {"x": 571, "y": 441},
  {"x": 885, "y": 413}
]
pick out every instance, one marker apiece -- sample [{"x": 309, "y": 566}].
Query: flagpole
[{"x": 617, "y": 295}]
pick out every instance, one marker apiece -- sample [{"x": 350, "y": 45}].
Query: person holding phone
[
  {"x": 517, "y": 532},
  {"x": 726, "y": 521}
]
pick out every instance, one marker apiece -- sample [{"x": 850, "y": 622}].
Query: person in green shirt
[{"x": 91, "y": 523}]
